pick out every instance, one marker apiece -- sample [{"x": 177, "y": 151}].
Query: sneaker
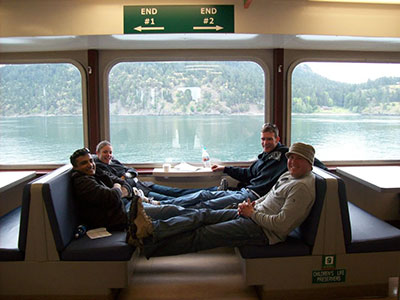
[
  {"x": 154, "y": 202},
  {"x": 223, "y": 186},
  {"x": 135, "y": 191},
  {"x": 144, "y": 226}
]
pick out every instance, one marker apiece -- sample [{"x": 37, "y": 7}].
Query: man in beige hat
[{"x": 265, "y": 221}]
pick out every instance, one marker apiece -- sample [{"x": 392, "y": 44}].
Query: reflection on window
[
  {"x": 169, "y": 111},
  {"x": 348, "y": 111},
  {"x": 40, "y": 113}
]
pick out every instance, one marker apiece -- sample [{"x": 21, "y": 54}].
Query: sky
[{"x": 354, "y": 72}]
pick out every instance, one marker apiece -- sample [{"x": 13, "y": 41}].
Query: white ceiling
[{"x": 197, "y": 41}]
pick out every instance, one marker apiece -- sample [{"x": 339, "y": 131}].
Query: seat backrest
[
  {"x": 344, "y": 211},
  {"x": 23, "y": 227},
  {"x": 61, "y": 208},
  {"x": 308, "y": 229}
]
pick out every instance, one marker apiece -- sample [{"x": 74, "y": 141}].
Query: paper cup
[{"x": 166, "y": 167}]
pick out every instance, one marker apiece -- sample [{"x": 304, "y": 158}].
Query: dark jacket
[
  {"x": 128, "y": 174},
  {"x": 99, "y": 203},
  {"x": 264, "y": 172}
]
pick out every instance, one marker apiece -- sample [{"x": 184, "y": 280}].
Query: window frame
[
  {"x": 264, "y": 58},
  {"x": 77, "y": 59},
  {"x": 296, "y": 57}
]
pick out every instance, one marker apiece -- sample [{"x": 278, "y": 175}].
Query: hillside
[{"x": 187, "y": 88}]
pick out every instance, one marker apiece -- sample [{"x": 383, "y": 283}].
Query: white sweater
[{"x": 285, "y": 206}]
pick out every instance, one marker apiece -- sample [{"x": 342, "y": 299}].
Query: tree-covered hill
[
  {"x": 186, "y": 88},
  {"x": 314, "y": 93},
  {"x": 40, "y": 89},
  {"x": 182, "y": 88}
]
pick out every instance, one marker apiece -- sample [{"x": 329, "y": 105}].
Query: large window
[
  {"x": 348, "y": 111},
  {"x": 40, "y": 113},
  {"x": 169, "y": 111}
]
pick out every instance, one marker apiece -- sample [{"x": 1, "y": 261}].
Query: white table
[
  {"x": 10, "y": 179},
  {"x": 379, "y": 178}
]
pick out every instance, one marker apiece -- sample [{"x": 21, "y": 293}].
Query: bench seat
[
  {"x": 293, "y": 246},
  {"x": 13, "y": 229},
  {"x": 63, "y": 217},
  {"x": 9, "y": 235},
  {"x": 111, "y": 248},
  {"x": 370, "y": 234}
]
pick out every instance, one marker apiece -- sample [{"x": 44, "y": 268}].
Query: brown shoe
[
  {"x": 144, "y": 226},
  {"x": 131, "y": 233}
]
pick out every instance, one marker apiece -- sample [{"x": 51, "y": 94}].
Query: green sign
[
  {"x": 179, "y": 19},
  {"x": 329, "y": 276},
  {"x": 328, "y": 261}
]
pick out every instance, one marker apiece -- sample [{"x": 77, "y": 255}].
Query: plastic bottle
[
  {"x": 205, "y": 158},
  {"x": 80, "y": 231}
]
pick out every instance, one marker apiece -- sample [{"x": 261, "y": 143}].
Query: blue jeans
[
  {"x": 162, "y": 192},
  {"x": 192, "y": 230},
  {"x": 212, "y": 199}
]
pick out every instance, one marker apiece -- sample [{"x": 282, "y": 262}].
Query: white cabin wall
[{"x": 19, "y": 18}]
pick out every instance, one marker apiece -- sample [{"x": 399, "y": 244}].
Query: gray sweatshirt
[{"x": 285, "y": 206}]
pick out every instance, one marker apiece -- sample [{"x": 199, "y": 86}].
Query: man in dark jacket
[
  {"x": 257, "y": 180},
  {"x": 99, "y": 195}
]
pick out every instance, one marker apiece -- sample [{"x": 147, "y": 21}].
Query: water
[
  {"x": 349, "y": 137},
  {"x": 182, "y": 138},
  {"x": 140, "y": 139}
]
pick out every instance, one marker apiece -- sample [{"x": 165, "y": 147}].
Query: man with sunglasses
[{"x": 100, "y": 196}]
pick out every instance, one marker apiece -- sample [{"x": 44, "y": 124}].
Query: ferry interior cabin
[{"x": 179, "y": 86}]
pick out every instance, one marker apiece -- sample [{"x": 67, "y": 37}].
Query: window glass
[
  {"x": 40, "y": 113},
  {"x": 169, "y": 111},
  {"x": 348, "y": 111}
]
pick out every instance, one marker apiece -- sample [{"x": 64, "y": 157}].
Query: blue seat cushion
[
  {"x": 9, "y": 235},
  {"x": 293, "y": 246},
  {"x": 111, "y": 248},
  {"x": 370, "y": 234}
]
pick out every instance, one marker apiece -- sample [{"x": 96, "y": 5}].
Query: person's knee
[{"x": 205, "y": 194}]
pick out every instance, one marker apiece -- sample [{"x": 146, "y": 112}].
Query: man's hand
[
  {"x": 125, "y": 192},
  {"x": 246, "y": 208},
  {"x": 217, "y": 168},
  {"x": 123, "y": 189}
]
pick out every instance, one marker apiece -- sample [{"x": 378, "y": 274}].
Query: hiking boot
[
  {"x": 131, "y": 233},
  {"x": 144, "y": 226},
  {"x": 223, "y": 186}
]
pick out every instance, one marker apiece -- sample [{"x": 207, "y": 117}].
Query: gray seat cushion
[
  {"x": 370, "y": 234},
  {"x": 9, "y": 235}
]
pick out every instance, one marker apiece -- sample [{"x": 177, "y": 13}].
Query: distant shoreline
[{"x": 210, "y": 115}]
